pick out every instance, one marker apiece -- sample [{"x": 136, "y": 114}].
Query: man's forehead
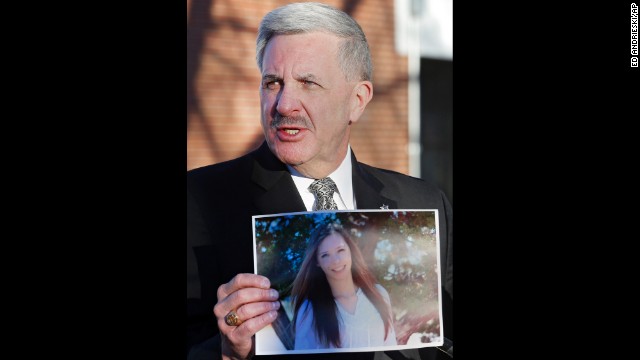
[{"x": 310, "y": 60}]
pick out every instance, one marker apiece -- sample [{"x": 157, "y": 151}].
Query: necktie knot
[{"x": 323, "y": 190}]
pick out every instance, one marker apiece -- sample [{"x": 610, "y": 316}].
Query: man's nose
[{"x": 288, "y": 101}]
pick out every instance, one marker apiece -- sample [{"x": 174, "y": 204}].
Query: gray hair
[{"x": 354, "y": 56}]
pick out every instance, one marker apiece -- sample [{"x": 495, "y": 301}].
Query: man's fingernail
[
  {"x": 273, "y": 293},
  {"x": 275, "y": 305}
]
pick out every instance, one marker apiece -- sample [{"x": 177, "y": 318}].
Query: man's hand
[{"x": 256, "y": 306}]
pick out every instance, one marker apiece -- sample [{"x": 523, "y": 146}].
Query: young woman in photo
[{"x": 337, "y": 301}]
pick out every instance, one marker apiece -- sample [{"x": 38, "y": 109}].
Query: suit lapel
[
  {"x": 275, "y": 191},
  {"x": 367, "y": 189}
]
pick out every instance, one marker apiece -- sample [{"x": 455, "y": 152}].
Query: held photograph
[{"x": 349, "y": 281}]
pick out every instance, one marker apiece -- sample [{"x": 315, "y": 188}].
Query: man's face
[{"x": 306, "y": 102}]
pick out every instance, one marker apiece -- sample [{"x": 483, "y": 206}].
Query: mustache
[{"x": 295, "y": 121}]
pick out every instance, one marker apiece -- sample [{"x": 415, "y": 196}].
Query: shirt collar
[{"x": 341, "y": 176}]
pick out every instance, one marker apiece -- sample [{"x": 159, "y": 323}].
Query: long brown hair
[{"x": 311, "y": 284}]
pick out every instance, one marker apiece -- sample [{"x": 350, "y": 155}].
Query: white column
[{"x": 413, "y": 54}]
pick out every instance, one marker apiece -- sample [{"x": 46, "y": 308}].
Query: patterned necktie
[{"x": 323, "y": 190}]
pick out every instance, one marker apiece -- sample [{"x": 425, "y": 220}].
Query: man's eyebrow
[
  {"x": 270, "y": 77},
  {"x": 307, "y": 77}
]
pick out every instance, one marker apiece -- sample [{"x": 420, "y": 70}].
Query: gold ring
[{"x": 232, "y": 319}]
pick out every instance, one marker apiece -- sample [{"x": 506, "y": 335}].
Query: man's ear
[{"x": 362, "y": 94}]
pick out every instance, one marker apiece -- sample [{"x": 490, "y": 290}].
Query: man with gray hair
[{"x": 316, "y": 82}]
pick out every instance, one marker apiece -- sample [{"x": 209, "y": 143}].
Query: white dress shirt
[{"x": 344, "y": 197}]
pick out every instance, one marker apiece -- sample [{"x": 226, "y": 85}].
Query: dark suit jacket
[{"x": 221, "y": 200}]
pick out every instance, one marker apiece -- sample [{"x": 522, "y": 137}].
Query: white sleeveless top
[{"x": 363, "y": 328}]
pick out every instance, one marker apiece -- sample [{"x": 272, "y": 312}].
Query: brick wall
[{"x": 223, "y": 114}]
